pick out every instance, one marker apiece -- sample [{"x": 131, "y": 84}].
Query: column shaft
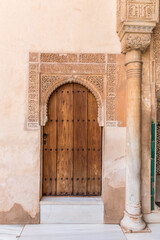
[{"x": 132, "y": 217}]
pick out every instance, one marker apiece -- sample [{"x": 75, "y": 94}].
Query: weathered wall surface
[{"x": 48, "y": 26}]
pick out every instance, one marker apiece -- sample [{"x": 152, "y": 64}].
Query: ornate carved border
[
  {"x": 50, "y": 82},
  {"x": 48, "y": 71}
]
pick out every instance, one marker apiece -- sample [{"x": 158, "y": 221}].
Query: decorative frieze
[
  {"x": 48, "y": 71},
  {"x": 92, "y": 58},
  {"x": 33, "y": 97},
  {"x": 141, "y": 10},
  {"x": 59, "y": 58},
  {"x": 73, "y": 68}
]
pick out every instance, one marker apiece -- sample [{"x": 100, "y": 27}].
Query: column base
[{"x": 132, "y": 223}]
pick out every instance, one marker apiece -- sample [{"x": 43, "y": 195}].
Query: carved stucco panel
[
  {"x": 144, "y": 9},
  {"x": 111, "y": 95},
  {"x": 137, "y": 10},
  {"x": 48, "y": 71},
  {"x": 33, "y": 97},
  {"x": 156, "y": 60},
  {"x": 50, "y": 82}
]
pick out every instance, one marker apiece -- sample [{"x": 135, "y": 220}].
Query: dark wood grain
[
  {"x": 80, "y": 140},
  {"x": 94, "y": 148},
  {"x": 65, "y": 140}
]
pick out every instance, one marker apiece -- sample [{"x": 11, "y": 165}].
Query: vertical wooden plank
[
  {"x": 65, "y": 140},
  {"x": 94, "y": 148},
  {"x": 49, "y": 150},
  {"x": 80, "y": 140},
  {"x": 46, "y": 183}
]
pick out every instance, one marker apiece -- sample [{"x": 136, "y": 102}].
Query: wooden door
[{"x": 72, "y": 144}]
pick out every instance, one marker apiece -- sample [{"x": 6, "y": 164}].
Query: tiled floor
[
  {"x": 62, "y": 232},
  {"x": 74, "y": 232},
  {"x": 10, "y": 232}
]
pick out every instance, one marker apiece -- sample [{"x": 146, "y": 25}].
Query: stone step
[{"x": 72, "y": 210}]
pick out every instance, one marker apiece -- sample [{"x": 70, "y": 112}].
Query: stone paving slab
[
  {"x": 10, "y": 232},
  {"x": 153, "y": 235},
  {"x": 72, "y": 232}
]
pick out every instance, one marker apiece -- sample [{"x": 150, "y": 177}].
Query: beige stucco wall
[{"x": 42, "y": 26}]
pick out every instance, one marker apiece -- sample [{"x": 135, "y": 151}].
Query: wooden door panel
[
  {"x": 94, "y": 148},
  {"x": 80, "y": 140},
  {"x": 65, "y": 140},
  {"x": 46, "y": 162},
  {"x": 72, "y": 144},
  {"x": 49, "y": 151}
]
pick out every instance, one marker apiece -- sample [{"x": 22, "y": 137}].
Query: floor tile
[
  {"x": 153, "y": 235},
  {"x": 10, "y": 232},
  {"x": 72, "y": 232}
]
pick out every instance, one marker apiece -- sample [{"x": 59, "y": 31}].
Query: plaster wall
[{"x": 46, "y": 26}]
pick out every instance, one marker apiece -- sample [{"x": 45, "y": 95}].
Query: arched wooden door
[{"x": 72, "y": 144}]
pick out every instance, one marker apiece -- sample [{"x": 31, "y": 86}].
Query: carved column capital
[
  {"x": 136, "y": 20},
  {"x": 135, "y": 41}
]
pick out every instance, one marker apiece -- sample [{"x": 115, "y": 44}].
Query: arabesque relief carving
[
  {"x": 156, "y": 58},
  {"x": 135, "y": 41},
  {"x": 50, "y": 82},
  {"x": 33, "y": 97},
  {"x": 141, "y": 9},
  {"x": 48, "y": 71}
]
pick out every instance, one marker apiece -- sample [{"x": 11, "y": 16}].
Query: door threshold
[
  {"x": 74, "y": 200},
  {"x": 71, "y": 210}
]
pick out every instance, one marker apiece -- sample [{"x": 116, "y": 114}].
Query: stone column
[
  {"x": 132, "y": 220},
  {"x": 133, "y": 45},
  {"x": 134, "y": 27}
]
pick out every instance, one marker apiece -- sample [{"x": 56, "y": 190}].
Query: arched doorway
[{"x": 72, "y": 144}]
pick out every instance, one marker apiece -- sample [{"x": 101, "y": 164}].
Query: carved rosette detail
[{"x": 50, "y": 82}]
